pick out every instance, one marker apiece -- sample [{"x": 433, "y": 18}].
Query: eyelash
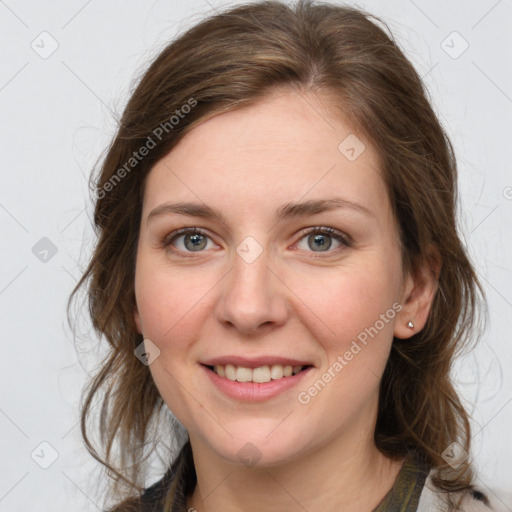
[{"x": 322, "y": 230}]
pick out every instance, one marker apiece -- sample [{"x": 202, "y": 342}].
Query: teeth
[
  {"x": 230, "y": 372},
  {"x": 243, "y": 374},
  {"x": 261, "y": 374},
  {"x": 276, "y": 372}
]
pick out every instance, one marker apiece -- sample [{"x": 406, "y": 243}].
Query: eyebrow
[{"x": 286, "y": 211}]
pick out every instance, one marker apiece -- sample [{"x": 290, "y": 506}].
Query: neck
[{"x": 340, "y": 475}]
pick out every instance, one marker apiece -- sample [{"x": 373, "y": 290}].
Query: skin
[{"x": 292, "y": 300}]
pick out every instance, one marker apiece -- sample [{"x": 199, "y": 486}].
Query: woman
[{"x": 278, "y": 265}]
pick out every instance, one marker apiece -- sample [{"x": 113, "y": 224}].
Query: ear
[{"x": 418, "y": 294}]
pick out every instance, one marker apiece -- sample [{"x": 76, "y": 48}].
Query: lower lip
[{"x": 254, "y": 391}]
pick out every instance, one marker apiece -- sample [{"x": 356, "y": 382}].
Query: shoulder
[{"x": 477, "y": 500}]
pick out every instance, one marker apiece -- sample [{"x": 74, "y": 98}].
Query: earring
[{"x": 410, "y": 325}]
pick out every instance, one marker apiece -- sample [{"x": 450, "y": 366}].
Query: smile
[
  {"x": 260, "y": 374},
  {"x": 255, "y": 384}
]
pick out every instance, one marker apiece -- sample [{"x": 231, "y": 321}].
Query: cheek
[
  {"x": 351, "y": 315},
  {"x": 346, "y": 301},
  {"x": 352, "y": 318},
  {"x": 169, "y": 301},
  {"x": 172, "y": 305}
]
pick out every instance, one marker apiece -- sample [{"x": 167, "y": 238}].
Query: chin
[{"x": 256, "y": 449}]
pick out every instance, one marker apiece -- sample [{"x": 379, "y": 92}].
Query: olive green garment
[
  {"x": 403, "y": 497},
  {"x": 406, "y": 491}
]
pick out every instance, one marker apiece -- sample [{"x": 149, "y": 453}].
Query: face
[{"x": 258, "y": 281}]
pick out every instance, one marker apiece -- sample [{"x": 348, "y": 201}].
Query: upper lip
[{"x": 254, "y": 362}]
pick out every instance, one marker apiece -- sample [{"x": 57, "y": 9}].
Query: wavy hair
[{"x": 234, "y": 59}]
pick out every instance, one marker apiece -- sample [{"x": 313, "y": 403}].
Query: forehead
[{"x": 287, "y": 147}]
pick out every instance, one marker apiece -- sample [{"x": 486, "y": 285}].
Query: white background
[{"x": 57, "y": 117}]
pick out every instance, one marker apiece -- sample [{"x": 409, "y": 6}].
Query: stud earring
[{"x": 410, "y": 325}]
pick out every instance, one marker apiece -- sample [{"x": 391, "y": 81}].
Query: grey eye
[
  {"x": 320, "y": 241},
  {"x": 195, "y": 242}
]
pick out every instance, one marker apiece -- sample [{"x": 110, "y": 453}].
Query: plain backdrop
[{"x": 66, "y": 69}]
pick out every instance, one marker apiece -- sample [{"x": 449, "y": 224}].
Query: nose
[{"x": 253, "y": 297}]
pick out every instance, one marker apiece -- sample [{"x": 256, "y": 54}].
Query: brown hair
[{"x": 234, "y": 59}]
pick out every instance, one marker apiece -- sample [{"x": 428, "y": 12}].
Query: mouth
[{"x": 260, "y": 374}]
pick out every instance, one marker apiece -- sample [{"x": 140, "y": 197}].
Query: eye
[
  {"x": 321, "y": 238},
  {"x": 318, "y": 239},
  {"x": 187, "y": 240}
]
